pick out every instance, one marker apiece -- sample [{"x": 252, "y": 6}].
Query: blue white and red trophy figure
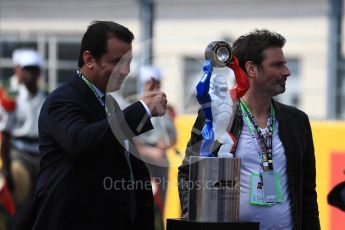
[{"x": 217, "y": 100}]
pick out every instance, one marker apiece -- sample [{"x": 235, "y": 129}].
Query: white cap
[
  {"x": 146, "y": 72},
  {"x": 27, "y": 57}
]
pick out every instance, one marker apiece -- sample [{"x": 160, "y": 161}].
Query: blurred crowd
[{"x": 21, "y": 100}]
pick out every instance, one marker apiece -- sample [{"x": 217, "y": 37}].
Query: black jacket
[
  {"x": 84, "y": 180},
  {"x": 296, "y": 137}
]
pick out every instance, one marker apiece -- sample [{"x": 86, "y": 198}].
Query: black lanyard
[{"x": 264, "y": 140}]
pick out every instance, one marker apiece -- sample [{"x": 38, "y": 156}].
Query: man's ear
[
  {"x": 251, "y": 68},
  {"x": 89, "y": 60}
]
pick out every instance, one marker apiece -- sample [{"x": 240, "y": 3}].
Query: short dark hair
[
  {"x": 96, "y": 37},
  {"x": 250, "y": 47}
]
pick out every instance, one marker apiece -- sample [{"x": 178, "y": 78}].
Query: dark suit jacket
[{"x": 84, "y": 180}]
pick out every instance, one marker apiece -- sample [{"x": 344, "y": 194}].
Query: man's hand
[{"x": 154, "y": 99}]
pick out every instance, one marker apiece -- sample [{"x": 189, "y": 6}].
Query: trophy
[{"x": 216, "y": 171}]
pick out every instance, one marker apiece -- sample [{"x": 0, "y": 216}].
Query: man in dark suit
[{"x": 88, "y": 179}]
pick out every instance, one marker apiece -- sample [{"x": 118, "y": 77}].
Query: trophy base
[
  {"x": 183, "y": 224},
  {"x": 215, "y": 196}
]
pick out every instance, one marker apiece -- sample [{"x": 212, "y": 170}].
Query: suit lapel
[{"x": 88, "y": 96}]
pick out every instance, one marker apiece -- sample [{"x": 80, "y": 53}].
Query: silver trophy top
[{"x": 219, "y": 52}]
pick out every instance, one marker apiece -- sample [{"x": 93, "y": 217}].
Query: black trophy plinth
[{"x": 183, "y": 224}]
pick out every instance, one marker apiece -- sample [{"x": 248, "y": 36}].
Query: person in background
[
  {"x": 273, "y": 140},
  {"x": 21, "y": 102},
  {"x": 153, "y": 145}
]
